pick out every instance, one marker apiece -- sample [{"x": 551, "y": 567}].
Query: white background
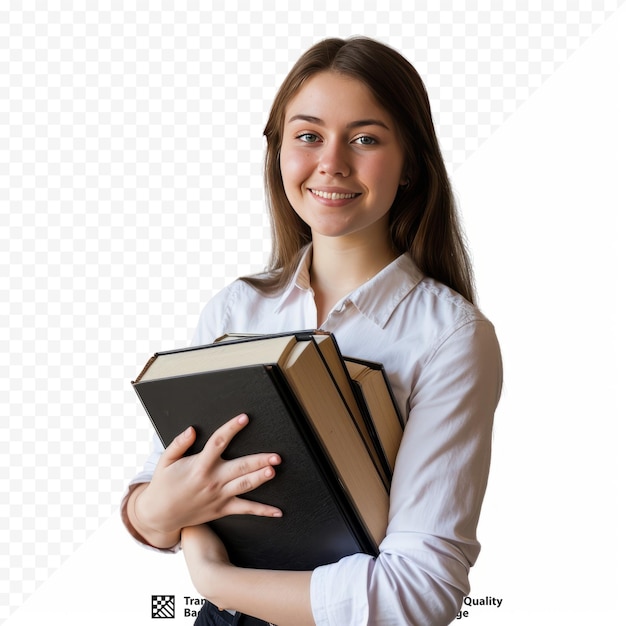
[{"x": 130, "y": 187}]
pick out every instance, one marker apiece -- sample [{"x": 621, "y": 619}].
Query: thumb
[{"x": 179, "y": 446}]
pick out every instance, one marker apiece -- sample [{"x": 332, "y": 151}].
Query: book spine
[{"x": 369, "y": 423}]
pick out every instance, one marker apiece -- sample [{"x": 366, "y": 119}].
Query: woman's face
[{"x": 341, "y": 159}]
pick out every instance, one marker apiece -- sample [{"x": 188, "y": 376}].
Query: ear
[{"x": 405, "y": 180}]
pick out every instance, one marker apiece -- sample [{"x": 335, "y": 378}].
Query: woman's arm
[
  {"x": 421, "y": 573},
  {"x": 278, "y": 597}
]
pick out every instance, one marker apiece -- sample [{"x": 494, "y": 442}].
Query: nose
[{"x": 334, "y": 159}]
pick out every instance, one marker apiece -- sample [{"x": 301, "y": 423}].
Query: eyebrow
[{"x": 355, "y": 124}]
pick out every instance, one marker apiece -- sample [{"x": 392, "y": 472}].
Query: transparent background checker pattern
[{"x": 131, "y": 190}]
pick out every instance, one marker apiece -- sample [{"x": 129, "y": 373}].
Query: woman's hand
[{"x": 192, "y": 490}]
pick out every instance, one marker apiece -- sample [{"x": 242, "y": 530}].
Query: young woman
[{"x": 366, "y": 245}]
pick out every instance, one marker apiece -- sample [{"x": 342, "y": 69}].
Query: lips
[{"x": 333, "y": 195}]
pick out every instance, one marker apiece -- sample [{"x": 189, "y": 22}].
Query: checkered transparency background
[{"x": 130, "y": 191}]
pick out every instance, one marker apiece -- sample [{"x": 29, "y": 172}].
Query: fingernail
[
  {"x": 277, "y": 514},
  {"x": 274, "y": 459},
  {"x": 242, "y": 419},
  {"x": 187, "y": 432}
]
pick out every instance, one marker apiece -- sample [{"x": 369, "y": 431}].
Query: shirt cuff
[
  {"x": 332, "y": 608},
  {"x": 142, "y": 478}
]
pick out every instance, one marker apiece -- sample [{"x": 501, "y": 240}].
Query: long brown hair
[{"x": 423, "y": 220}]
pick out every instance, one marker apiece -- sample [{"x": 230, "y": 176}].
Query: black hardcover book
[{"x": 319, "y": 524}]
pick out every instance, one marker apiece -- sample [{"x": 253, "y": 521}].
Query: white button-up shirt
[{"x": 443, "y": 361}]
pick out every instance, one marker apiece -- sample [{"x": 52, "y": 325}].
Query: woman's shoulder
[
  {"x": 237, "y": 295},
  {"x": 440, "y": 321},
  {"x": 442, "y": 312},
  {"x": 229, "y": 307},
  {"x": 447, "y": 301}
]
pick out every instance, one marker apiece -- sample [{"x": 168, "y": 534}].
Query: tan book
[{"x": 378, "y": 398}]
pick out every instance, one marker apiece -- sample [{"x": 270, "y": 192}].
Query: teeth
[{"x": 333, "y": 196}]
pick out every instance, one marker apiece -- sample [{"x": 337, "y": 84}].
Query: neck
[{"x": 339, "y": 267}]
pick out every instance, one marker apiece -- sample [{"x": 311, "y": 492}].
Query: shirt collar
[{"x": 376, "y": 299}]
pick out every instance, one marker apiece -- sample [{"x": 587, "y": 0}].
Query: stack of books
[{"x": 332, "y": 419}]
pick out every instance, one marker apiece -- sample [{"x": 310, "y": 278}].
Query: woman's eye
[
  {"x": 307, "y": 137},
  {"x": 365, "y": 140}
]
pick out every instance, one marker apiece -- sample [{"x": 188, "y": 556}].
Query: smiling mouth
[{"x": 332, "y": 195}]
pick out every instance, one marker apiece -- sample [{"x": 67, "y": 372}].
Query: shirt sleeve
[{"x": 421, "y": 573}]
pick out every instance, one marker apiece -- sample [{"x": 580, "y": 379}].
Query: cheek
[
  {"x": 385, "y": 178},
  {"x": 383, "y": 173},
  {"x": 291, "y": 177},
  {"x": 295, "y": 167}
]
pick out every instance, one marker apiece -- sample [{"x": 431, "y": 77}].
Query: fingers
[
  {"x": 247, "y": 473},
  {"x": 241, "y": 476},
  {"x": 240, "y": 506},
  {"x": 179, "y": 446},
  {"x": 240, "y": 467},
  {"x": 220, "y": 439}
]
